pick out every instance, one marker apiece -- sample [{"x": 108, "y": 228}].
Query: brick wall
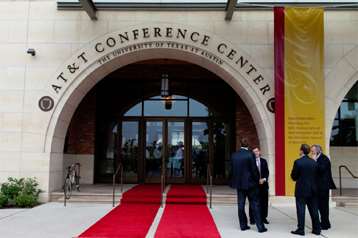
[
  {"x": 82, "y": 130},
  {"x": 244, "y": 124}
]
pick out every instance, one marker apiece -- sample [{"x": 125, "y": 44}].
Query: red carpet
[
  {"x": 186, "y": 214},
  {"x": 132, "y": 218}
]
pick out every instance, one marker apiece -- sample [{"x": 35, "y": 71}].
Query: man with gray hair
[
  {"x": 304, "y": 173},
  {"x": 324, "y": 183}
]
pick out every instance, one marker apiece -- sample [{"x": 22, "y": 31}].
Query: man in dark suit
[
  {"x": 246, "y": 180},
  {"x": 324, "y": 184},
  {"x": 304, "y": 172},
  {"x": 262, "y": 166}
]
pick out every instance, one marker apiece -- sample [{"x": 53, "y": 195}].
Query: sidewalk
[
  {"x": 52, "y": 220},
  {"x": 283, "y": 220}
]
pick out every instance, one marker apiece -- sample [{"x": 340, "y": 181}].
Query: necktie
[{"x": 258, "y": 165}]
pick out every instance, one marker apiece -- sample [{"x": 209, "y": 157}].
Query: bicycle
[{"x": 72, "y": 180}]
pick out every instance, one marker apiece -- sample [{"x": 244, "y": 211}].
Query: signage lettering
[{"x": 194, "y": 42}]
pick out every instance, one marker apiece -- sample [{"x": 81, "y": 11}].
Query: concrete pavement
[
  {"x": 52, "y": 220},
  {"x": 283, "y": 220}
]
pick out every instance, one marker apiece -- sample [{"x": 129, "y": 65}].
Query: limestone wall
[{"x": 56, "y": 35}]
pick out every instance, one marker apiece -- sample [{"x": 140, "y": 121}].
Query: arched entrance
[
  {"x": 344, "y": 139},
  {"x": 159, "y": 116},
  {"x": 341, "y": 114},
  {"x": 89, "y": 66}
]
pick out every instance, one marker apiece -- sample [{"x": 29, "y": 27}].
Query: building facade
[{"x": 90, "y": 85}]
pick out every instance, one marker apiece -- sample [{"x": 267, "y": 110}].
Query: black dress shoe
[
  {"x": 266, "y": 221},
  {"x": 298, "y": 232},
  {"x": 245, "y": 228},
  {"x": 325, "y": 227},
  {"x": 263, "y": 230},
  {"x": 316, "y": 233}
]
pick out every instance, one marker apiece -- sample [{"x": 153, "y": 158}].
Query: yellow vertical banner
[{"x": 303, "y": 83}]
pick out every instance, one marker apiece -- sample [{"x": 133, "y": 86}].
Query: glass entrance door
[
  {"x": 130, "y": 150},
  {"x": 153, "y": 150},
  {"x": 173, "y": 139},
  {"x": 178, "y": 148},
  {"x": 164, "y": 148},
  {"x": 175, "y": 156},
  {"x": 200, "y": 148}
]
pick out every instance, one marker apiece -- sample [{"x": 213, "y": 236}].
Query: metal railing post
[
  {"x": 119, "y": 169},
  {"x": 207, "y": 178},
  {"x": 211, "y": 192},
  {"x": 340, "y": 176},
  {"x": 161, "y": 190},
  {"x": 340, "y": 180},
  {"x": 122, "y": 179},
  {"x": 209, "y": 185},
  {"x": 114, "y": 189}
]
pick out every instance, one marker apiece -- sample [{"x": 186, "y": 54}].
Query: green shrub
[
  {"x": 3, "y": 200},
  {"x": 25, "y": 200},
  {"x": 30, "y": 187},
  {"x": 12, "y": 188},
  {"x": 21, "y": 192}
]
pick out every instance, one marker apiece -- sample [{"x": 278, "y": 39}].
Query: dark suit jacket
[
  {"x": 304, "y": 172},
  {"x": 264, "y": 172},
  {"x": 324, "y": 180},
  {"x": 245, "y": 172}
]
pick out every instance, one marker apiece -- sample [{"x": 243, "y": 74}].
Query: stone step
[
  {"x": 107, "y": 198},
  {"x": 345, "y": 198},
  {"x": 218, "y": 199},
  {"x": 224, "y": 199},
  {"x": 86, "y": 197},
  {"x": 346, "y": 201}
]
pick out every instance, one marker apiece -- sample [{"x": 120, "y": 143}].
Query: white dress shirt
[{"x": 258, "y": 164}]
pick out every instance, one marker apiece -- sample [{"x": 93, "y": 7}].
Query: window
[
  {"x": 158, "y": 106},
  {"x": 175, "y": 105},
  {"x": 136, "y": 110},
  {"x": 210, "y": 1},
  {"x": 345, "y": 125},
  {"x": 197, "y": 109}
]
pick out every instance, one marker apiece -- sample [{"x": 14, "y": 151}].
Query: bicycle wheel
[
  {"x": 77, "y": 183},
  {"x": 68, "y": 188}
]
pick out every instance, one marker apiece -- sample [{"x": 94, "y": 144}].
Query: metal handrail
[
  {"x": 119, "y": 169},
  {"x": 340, "y": 177},
  {"x": 209, "y": 184},
  {"x": 162, "y": 188},
  {"x": 207, "y": 178}
]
